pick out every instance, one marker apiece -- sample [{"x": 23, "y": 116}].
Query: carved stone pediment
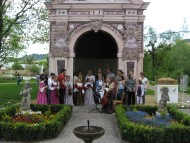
[{"x": 96, "y": 24}]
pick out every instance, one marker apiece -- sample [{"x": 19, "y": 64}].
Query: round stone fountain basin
[{"x": 88, "y": 135}]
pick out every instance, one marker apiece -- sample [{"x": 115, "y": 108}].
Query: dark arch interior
[
  {"x": 96, "y": 45},
  {"x": 95, "y": 50}
]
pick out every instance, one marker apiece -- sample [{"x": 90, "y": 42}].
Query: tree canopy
[
  {"x": 21, "y": 22},
  {"x": 166, "y": 55}
]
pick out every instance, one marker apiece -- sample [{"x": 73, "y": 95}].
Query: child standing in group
[
  {"x": 139, "y": 92},
  {"x": 42, "y": 99}
]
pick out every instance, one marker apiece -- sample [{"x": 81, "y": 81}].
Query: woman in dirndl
[{"x": 69, "y": 91}]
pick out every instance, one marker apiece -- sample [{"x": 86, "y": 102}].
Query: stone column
[
  {"x": 121, "y": 64},
  {"x": 69, "y": 67},
  {"x": 140, "y": 64},
  {"x": 51, "y": 64}
]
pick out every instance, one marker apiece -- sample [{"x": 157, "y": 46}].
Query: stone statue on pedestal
[
  {"x": 164, "y": 98},
  {"x": 26, "y": 97}
]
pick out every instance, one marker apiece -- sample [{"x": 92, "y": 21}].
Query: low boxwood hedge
[
  {"x": 136, "y": 133},
  {"x": 30, "y": 132}
]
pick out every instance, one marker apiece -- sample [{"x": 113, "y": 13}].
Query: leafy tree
[
  {"x": 44, "y": 63},
  {"x": 16, "y": 19},
  {"x": 157, "y": 47},
  {"x": 17, "y": 66},
  {"x": 29, "y": 60},
  {"x": 34, "y": 69}
]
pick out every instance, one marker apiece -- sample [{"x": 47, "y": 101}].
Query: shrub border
[
  {"x": 132, "y": 132},
  {"x": 41, "y": 131}
]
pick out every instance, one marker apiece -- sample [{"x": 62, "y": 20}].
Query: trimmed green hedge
[
  {"x": 31, "y": 132},
  {"x": 145, "y": 134}
]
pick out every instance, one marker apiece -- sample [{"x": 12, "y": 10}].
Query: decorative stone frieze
[
  {"x": 61, "y": 12},
  {"x": 131, "y": 12},
  {"x": 117, "y": 28},
  {"x": 96, "y": 12},
  {"x": 114, "y": 12},
  {"x": 79, "y": 12}
]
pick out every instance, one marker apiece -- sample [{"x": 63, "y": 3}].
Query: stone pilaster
[
  {"x": 52, "y": 65},
  {"x": 70, "y": 67},
  {"x": 140, "y": 64}
]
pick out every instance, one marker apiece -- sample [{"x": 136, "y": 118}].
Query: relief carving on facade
[
  {"x": 96, "y": 24},
  {"x": 131, "y": 36},
  {"x": 131, "y": 41},
  {"x": 59, "y": 44},
  {"x": 116, "y": 28},
  {"x": 129, "y": 54},
  {"x": 74, "y": 28}
]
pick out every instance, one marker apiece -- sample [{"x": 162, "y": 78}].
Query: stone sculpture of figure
[
  {"x": 26, "y": 97},
  {"x": 164, "y": 98}
]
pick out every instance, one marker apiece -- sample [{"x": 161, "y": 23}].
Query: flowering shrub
[
  {"x": 145, "y": 119},
  {"x": 133, "y": 131},
  {"x": 30, "y": 127},
  {"x": 29, "y": 118}
]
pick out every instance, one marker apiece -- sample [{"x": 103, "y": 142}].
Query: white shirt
[
  {"x": 145, "y": 83},
  {"x": 51, "y": 83}
]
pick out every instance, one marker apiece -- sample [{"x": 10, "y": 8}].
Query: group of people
[{"x": 99, "y": 88}]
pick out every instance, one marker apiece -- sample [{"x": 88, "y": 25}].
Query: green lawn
[
  {"x": 10, "y": 92},
  {"x": 150, "y": 92}
]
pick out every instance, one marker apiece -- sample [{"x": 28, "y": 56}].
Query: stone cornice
[
  {"x": 88, "y": 6},
  {"x": 145, "y": 5}
]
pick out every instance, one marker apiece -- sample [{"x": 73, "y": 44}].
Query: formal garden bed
[
  {"x": 46, "y": 121},
  {"x": 175, "y": 128}
]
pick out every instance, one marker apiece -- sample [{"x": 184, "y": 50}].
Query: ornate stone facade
[
  {"x": 122, "y": 19},
  {"x": 59, "y": 40}
]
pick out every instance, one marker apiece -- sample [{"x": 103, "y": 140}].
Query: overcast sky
[
  {"x": 161, "y": 14},
  {"x": 167, "y": 14}
]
